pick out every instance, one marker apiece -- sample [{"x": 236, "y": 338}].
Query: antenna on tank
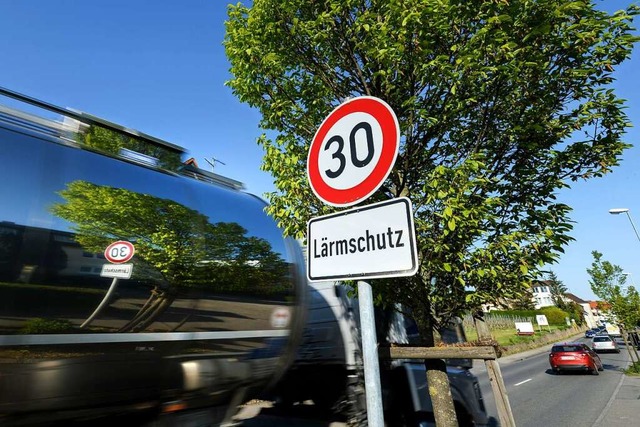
[{"x": 213, "y": 162}]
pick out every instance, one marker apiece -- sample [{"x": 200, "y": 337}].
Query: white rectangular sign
[
  {"x": 120, "y": 271},
  {"x": 541, "y": 319},
  {"x": 376, "y": 240},
  {"x": 524, "y": 328}
]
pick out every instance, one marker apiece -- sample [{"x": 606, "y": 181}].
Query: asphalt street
[{"x": 538, "y": 397}]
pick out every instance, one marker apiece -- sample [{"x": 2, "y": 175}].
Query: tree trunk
[
  {"x": 165, "y": 302},
  {"x": 157, "y": 303},
  {"x": 443, "y": 409},
  {"x": 438, "y": 383},
  {"x": 625, "y": 337},
  {"x": 633, "y": 347},
  {"x": 151, "y": 300}
]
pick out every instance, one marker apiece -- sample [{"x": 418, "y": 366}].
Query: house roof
[{"x": 574, "y": 298}]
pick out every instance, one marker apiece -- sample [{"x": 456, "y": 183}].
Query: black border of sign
[{"x": 379, "y": 274}]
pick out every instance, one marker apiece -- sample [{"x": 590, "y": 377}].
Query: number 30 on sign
[
  {"x": 119, "y": 252},
  {"x": 353, "y": 151}
]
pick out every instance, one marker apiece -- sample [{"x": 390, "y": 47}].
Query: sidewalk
[{"x": 623, "y": 409}]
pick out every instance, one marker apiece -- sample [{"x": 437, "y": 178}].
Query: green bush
[
  {"x": 555, "y": 316},
  {"x": 46, "y": 326},
  {"x": 575, "y": 312}
]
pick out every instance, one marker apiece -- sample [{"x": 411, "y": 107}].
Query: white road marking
[{"x": 522, "y": 382}]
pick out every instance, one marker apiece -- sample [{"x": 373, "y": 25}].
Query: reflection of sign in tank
[{"x": 194, "y": 323}]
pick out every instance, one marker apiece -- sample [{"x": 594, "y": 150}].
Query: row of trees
[
  {"x": 610, "y": 285},
  {"x": 623, "y": 302}
]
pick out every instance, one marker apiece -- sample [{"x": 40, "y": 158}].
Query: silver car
[{"x": 602, "y": 343}]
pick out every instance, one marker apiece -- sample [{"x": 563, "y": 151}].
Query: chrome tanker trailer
[{"x": 133, "y": 283}]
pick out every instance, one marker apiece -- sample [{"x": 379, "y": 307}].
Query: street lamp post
[{"x": 618, "y": 211}]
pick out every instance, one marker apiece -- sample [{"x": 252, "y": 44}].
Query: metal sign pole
[
  {"x": 103, "y": 303},
  {"x": 373, "y": 389}
]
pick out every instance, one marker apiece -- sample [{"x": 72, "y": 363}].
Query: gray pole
[
  {"x": 633, "y": 225},
  {"x": 373, "y": 389},
  {"x": 103, "y": 303}
]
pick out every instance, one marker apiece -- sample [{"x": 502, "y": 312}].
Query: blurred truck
[{"x": 328, "y": 368}]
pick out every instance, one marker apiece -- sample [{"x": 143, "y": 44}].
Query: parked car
[
  {"x": 574, "y": 356},
  {"x": 604, "y": 343}
]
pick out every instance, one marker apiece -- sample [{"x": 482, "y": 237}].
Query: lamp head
[{"x": 617, "y": 211}]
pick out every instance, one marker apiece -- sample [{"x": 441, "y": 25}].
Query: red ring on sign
[
  {"x": 388, "y": 122},
  {"x": 132, "y": 251}
]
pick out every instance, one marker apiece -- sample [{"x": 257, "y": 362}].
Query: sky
[{"x": 159, "y": 66}]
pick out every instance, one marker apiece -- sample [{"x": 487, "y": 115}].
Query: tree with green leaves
[
  {"x": 523, "y": 301},
  {"x": 500, "y": 105},
  {"x": 575, "y": 310},
  {"x": 177, "y": 248},
  {"x": 109, "y": 141},
  {"x": 608, "y": 283},
  {"x": 557, "y": 289}
]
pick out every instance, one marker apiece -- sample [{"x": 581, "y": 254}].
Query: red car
[{"x": 574, "y": 356}]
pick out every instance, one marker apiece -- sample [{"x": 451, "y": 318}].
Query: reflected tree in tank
[
  {"x": 177, "y": 248},
  {"x": 112, "y": 142}
]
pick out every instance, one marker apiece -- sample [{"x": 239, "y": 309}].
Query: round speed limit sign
[
  {"x": 119, "y": 252},
  {"x": 353, "y": 151}
]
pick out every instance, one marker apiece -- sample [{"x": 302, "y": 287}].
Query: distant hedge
[{"x": 514, "y": 313}]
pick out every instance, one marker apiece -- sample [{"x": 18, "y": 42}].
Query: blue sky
[{"x": 159, "y": 67}]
